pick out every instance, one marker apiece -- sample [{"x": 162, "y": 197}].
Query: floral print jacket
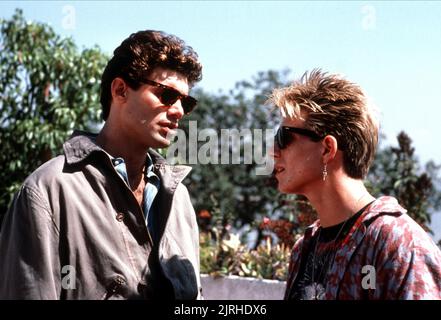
[{"x": 402, "y": 261}]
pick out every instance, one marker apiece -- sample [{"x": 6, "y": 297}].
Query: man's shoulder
[
  {"x": 76, "y": 149},
  {"x": 35, "y": 190},
  {"x": 46, "y": 173}
]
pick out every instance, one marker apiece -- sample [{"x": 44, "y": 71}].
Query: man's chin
[{"x": 161, "y": 143}]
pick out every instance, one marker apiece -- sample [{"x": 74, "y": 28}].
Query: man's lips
[
  {"x": 167, "y": 128},
  {"x": 170, "y": 125}
]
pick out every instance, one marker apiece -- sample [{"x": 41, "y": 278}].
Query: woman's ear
[
  {"x": 330, "y": 148},
  {"x": 118, "y": 88}
]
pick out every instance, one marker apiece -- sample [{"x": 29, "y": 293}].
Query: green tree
[
  {"x": 47, "y": 88},
  {"x": 397, "y": 172}
]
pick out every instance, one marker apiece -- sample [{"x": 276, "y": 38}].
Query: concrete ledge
[{"x": 241, "y": 288}]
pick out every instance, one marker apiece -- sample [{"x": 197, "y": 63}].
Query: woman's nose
[{"x": 274, "y": 151}]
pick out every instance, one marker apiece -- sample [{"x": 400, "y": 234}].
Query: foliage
[
  {"x": 288, "y": 231},
  {"x": 397, "y": 172},
  {"x": 47, "y": 88},
  {"x": 223, "y": 252},
  {"x": 228, "y": 256}
]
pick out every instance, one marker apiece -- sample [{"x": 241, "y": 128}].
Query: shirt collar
[{"x": 82, "y": 144}]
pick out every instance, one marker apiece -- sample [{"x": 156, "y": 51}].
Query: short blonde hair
[{"x": 334, "y": 106}]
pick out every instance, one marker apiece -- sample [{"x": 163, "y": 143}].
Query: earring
[{"x": 325, "y": 172}]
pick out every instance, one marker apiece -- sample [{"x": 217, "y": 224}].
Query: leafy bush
[
  {"x": 229, "y": 256},
  {"x": 223, "y": 253},
  {"x": 48, "y": 87}
]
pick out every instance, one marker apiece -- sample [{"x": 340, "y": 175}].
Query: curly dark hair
[{"x": 140, "y": 53}]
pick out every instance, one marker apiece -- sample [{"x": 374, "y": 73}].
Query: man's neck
[
  {"x": 117, "y": 146},
  {"x": 339, "y": 199}
]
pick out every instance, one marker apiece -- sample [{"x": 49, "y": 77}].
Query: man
[
  {"x": 107, "y": 219},
  {"x": 360, "y": 247}
]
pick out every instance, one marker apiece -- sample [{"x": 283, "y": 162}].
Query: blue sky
[{"x": 392, "y": 49}]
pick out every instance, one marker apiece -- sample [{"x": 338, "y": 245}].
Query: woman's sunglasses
[
  {"x": 168, "y": 96},
  {"x": 284, "y": 135}
]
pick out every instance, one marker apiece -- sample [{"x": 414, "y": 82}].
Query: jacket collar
[
  {"x": 79, "y": 146},
  {"x": 382, "y": 205},
  {"x": 170, "y": 175},
  {"x": 82, "y": 144}
]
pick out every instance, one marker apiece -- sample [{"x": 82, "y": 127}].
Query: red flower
[{"x": 204, "y": 214}]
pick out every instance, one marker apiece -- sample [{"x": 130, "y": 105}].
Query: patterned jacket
[{"x": 401, "y": 259}]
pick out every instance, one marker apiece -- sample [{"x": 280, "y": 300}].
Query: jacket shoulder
[
  {"x": 407, "y": 259},
  {"x": 46, "y": 173},
  {"x": 399, "y": 228}
]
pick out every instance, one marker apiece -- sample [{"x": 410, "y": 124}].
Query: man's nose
[{"x": 176, "y": 110}]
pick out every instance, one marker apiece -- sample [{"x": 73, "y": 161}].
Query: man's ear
[
  {"x": 330, "y": 148},
  {"x": 119, "y": 88}
]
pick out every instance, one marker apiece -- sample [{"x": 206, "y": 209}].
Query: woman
[{"x": 360, "y": 247}]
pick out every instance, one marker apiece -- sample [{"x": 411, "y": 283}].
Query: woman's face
[{"x": 298, "y": 167}]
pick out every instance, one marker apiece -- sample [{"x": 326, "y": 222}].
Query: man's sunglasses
[
  {"x": 284, "y": 137},
  {"x": 168, "y": 96}
]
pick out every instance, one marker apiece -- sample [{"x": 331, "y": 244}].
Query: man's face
[
  {"x": 298, "y": 167},
  {"x": 146, "y": 120}
]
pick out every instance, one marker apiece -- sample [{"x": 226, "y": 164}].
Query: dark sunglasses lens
[
  {"x": 169, "y": 96},
  {"x": 283, "y": 138},
  {"x": 278, "y": 139},
  {"x": 188, "y": 104}
]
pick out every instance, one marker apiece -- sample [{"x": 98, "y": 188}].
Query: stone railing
[{"x": 241, "y": 288}]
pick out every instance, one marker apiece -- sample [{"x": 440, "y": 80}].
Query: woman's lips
[{"x": 278, "y": 170}]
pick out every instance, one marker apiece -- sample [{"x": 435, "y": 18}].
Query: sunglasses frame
[
  {"x": 185, "y": 99},
  {"x": 280, "y": 140}
]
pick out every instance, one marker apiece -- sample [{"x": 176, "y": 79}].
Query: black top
[{"x": 309, "y": 286}]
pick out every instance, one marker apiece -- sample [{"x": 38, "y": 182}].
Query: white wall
[{"x": 241, "y": 288}]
